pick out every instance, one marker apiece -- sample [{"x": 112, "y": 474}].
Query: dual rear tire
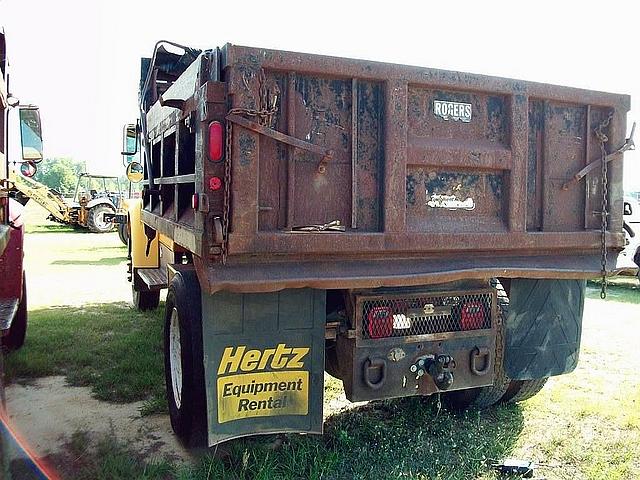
[{"x": 503, "y": 390}]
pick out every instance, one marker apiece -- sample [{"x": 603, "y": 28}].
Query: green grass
[
  {"x": 619, "y": 289},
  {"x": 52, "y": 228},
  {"x": 112, "y": 348},
  {"x": 390, "y": 439},
  {"x": 92, "y": 261}
]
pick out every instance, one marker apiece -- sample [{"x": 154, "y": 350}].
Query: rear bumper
[{"x": 252, "y": 276}]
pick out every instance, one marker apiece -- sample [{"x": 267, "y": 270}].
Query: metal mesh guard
[{"x": 401, "y": 317}]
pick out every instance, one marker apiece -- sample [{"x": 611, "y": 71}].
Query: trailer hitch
[{"x": 439, "y": 367}]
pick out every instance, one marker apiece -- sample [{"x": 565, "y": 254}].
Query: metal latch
[
  {"x": 326, "y": 155},
  {"x": 628, "y": 145}
]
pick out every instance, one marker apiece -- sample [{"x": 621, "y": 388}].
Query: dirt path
[{"x": 47, "y": 412}]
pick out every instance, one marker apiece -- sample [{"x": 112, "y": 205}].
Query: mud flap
[
  {"x": 543, "y": 327},
  {"x": 264, "y": 362}
]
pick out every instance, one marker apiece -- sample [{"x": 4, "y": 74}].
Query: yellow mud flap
[{"x": 264, "y": 362}]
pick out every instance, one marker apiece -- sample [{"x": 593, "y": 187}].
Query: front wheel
[
  {"x": 95, "y": 220},
  {"x": 183, "y": 360},
  {"x": 123, "y": 232}
]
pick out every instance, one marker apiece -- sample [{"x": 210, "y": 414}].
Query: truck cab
[{"x": 13, "y": 291}]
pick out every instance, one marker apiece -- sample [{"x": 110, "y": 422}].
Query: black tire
[
  {"x": 123, "y": 232},
  {"x": 95, "y": 223},
  {"x": 187, "y": 411},
  {"x": 18, "y": 331},
  {"x": 484, "y": 397},
  {"x": 145, "y": 300},
  {"x": 520, "y": 390}
]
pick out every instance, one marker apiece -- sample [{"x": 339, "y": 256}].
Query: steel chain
[
  {"x": 265, "y": 116},
  {"x": 227, "y": 191},
  {"x": 603, "y": 139}
]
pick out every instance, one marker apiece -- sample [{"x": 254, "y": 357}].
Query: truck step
[
  {"x": 153, "y": 278},
  {"x": 8, "y": 309}
]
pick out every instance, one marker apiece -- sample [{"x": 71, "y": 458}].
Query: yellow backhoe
[{"x": 91, "y": 200}]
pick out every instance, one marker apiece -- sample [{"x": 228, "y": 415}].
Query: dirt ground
[{"x": 47, "y": 412}]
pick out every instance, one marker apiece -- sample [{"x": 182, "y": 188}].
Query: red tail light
[
  {"x": 195, "y": 201},
  {"x": 472, "y": 316},
  {"x": 215, "y": 183},
  {"x": 380, "y": 322},
  {"x": 215, "y": 141}
]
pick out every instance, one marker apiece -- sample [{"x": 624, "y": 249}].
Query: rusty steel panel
[
  {"x": 564, "y": 152},
  {"x": 432, "y": 193},
  {"x": 412, "y": 162},
  {"x": 489, "y": 128},
  {"x": 321, "y": 111}
]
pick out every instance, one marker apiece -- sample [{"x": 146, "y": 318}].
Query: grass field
[{"x": 585, "y": 425}]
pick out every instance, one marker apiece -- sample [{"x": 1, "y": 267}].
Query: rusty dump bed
[{"x": 432, "y": 175}]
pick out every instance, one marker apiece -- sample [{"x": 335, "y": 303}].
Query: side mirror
[
  {"x": 627, "y": 209},
  {"x": 135, "y": 173},
  {"x": 129, "y": 143},
  {"x": 28, "y": 169},
  {"x": 30, "y": 134}
]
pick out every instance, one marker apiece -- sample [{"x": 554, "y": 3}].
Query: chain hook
[{"x": 603, "y": 138}]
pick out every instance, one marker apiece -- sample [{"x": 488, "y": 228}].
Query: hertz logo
[{"x": 281, "y": 357}]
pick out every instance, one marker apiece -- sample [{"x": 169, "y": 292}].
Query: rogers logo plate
[{"x": 452, "y": 110}]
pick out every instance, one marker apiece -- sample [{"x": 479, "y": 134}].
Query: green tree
[{"x": 60, "y": 174}]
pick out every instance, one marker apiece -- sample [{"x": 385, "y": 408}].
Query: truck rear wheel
[
  {"x": 95, "y": 220},
  {"x": 183, "y": 360},
  {"x": 18, "y": 331},
  {"x": 484, "y": 397},
  {"x": 520, "y": 390}
]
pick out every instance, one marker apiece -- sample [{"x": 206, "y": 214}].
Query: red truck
[
  {"x": 411, "y": 231},
  {"x": 13, "y": 292}
]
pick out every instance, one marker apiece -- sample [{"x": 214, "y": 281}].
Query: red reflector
[
  {"x": 472, "y": 316},
  {"x": 195, "y": 201},
  {"x": 215, "y": 183},
  {"x": 215, "y": 141},
  {"x": 380, "y": 322}
]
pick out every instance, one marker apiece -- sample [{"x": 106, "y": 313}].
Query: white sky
[{"x": 79, "y": 60}]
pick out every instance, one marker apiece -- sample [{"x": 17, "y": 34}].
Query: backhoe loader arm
[{"x": 42, "y": 195}]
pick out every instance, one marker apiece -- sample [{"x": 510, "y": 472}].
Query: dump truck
[
  {"x": 13, "y": 288},
  {"x": 410, "y": 231}
]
